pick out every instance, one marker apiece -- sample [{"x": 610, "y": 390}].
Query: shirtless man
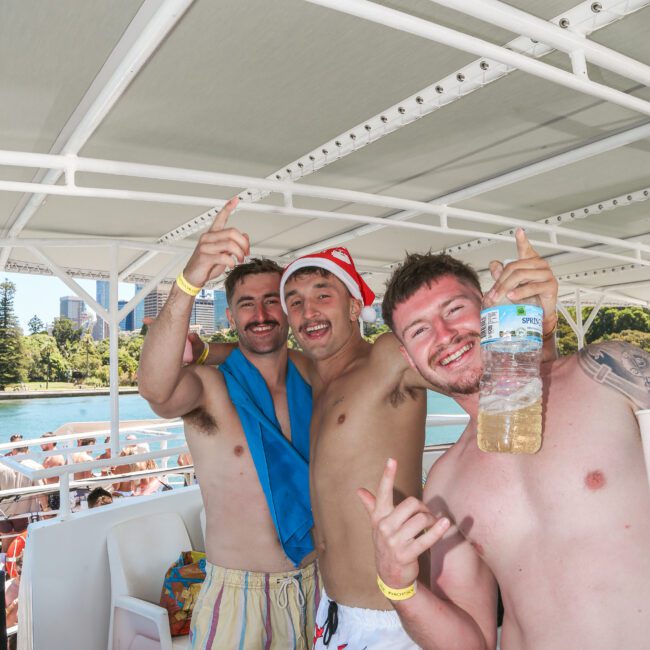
[
  {"x": 83, "y": 457},
  {"x": 56, "y": 460},
  {"x": 369, "y": 404},
  {"x": 247, "y": 562},
  {"x": 565, "y": 532}
]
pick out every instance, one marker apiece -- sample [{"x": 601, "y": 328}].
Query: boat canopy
[{"x": 386, "y": 127}]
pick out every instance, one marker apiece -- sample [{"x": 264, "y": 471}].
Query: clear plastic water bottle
[{"x": 510, "y": 399}]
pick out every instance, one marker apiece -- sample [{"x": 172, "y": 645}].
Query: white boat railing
[
  {"x": 135, "y": 436},
  {"x": 161, "y": 433}
]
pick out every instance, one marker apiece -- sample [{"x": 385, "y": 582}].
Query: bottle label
[{"x": 508, "y": 322}]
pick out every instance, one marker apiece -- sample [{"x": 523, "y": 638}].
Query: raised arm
[
  {"x": 528, "y": 276},
  {"x": 460, "y": 609},
  {"x": 621, "y": 366},
  {"x": 171, "y": 389}
]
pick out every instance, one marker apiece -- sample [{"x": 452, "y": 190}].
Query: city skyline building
[
  {"x": 74, "y": 309},
  {"x": 127, "y": 323},
  {"x": 220, "y": 306},
  {"x": 154, "y": 302},
  {"x": 102, "y": 296},
  {"x": 138, "y": 313},
  {"x": 203, "y": 313}
]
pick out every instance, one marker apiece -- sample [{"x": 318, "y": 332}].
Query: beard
[{"x": 466, "y": 384}]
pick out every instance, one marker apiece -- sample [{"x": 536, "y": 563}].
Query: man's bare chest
[{"x": 499, "y": 501}]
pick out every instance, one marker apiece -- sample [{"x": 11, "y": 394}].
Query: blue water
[
  {"x": 449, "y": 433},
  {"x": 33, "y": 417}
]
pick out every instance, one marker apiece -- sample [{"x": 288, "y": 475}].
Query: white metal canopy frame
[{"x": 603, "y": 258}]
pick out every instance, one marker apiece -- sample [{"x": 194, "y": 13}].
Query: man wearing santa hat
[{"x": 368, "y": 405}]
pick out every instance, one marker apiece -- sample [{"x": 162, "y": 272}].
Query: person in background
[
  {"x": 13, "y": 517},
  {"x": 126, "y": 487},
  {"x": 57, "y": 460},
  {"x": 105, "y": 455},
  {"x": 99, "y": 497},
  {"x": 15, "y": 437},
  {"x": 83, "y": 457},
  {"x": 149, "y": 484},
  {"x": 12, "y": 593},
  {"x": 185, "y": 460}
]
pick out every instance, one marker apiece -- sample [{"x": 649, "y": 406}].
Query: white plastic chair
[{"x": 139, "y": 553}]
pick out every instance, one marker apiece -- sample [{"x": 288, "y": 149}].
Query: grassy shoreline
[{"x": 61, "y": 391}]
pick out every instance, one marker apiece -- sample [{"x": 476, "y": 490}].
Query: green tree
[
  {"x": 611, "y": 324},
  {"x": 66, "y": 334},
  {"x": 640, "y": 339},
  {"x": 224, "y": 336},
  {"x": 44, "y": 361},
  {"x": 11, "y": 348},
  {"x": 372, "y": 332},
  {"x": 84, "y": 358},
  {"x": 35, "y": 325},
  {"x": 128, "y": 367}
]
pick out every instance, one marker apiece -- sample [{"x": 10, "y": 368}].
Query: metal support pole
[
  {"x": 580, "y": 333},
  {"x": 113, "y": 332},
  {"x": 64, "y": 496},
  {"x": 593, "y": 314},
  {"x": 567, "y": 316}
]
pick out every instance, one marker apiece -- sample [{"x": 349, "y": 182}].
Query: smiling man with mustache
[{"x": 247, "y": 427}]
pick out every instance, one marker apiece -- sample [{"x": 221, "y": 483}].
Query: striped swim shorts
[{"x": 245, "y": 610}]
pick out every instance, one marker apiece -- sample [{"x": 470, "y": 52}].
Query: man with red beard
[
  {"x": 369, "y": 404},
  {"x": 565, "y": 532},
  {"x": 247, "y": 427}
]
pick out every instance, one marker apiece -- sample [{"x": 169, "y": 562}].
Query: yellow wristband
[
  {"x": 186, "y": 287},
  {"x": 396, "y": 594},
  {"x": 204, "y": 355}
]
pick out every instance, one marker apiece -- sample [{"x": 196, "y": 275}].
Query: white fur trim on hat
[{"x": 334, "y": 269}]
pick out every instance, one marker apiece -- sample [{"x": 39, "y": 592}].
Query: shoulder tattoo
[{"x": 621, "y": 366}]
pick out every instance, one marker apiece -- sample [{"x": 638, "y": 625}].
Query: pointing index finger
[
  {"x": 524, "y": 248},
  {"x": 221, "y": 218},
  {"x": 384, "y": 501}
]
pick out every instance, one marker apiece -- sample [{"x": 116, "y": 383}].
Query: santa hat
[{"x": 339, "y": 263}]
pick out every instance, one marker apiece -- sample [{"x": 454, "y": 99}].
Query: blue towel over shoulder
[{"x": 282, "y": 466}]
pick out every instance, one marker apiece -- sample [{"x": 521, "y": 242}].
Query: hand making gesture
[
  {"x": 400, "y": 533},
  {"x": 217, "y": 249},
  {"x": 530, "y": 275}
]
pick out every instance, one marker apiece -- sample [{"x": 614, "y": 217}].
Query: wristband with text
[
  {"x": 204, "y": 355},
  {"x": 396, "y": 594},
  {"x": 186, "y": 287}
]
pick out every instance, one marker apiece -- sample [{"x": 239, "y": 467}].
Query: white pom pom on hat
[
  {"x": 338, "y": 262},
  {"x": 369, "y": 314}
]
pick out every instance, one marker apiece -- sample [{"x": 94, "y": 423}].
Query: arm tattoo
[{"x": 621, "y": 366}]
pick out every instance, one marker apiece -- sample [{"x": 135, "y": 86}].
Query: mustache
[
  {"x": 312, "y": 322},
  {"x": 258, "y": 323},
  {"x": 443, "y": 351}
]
